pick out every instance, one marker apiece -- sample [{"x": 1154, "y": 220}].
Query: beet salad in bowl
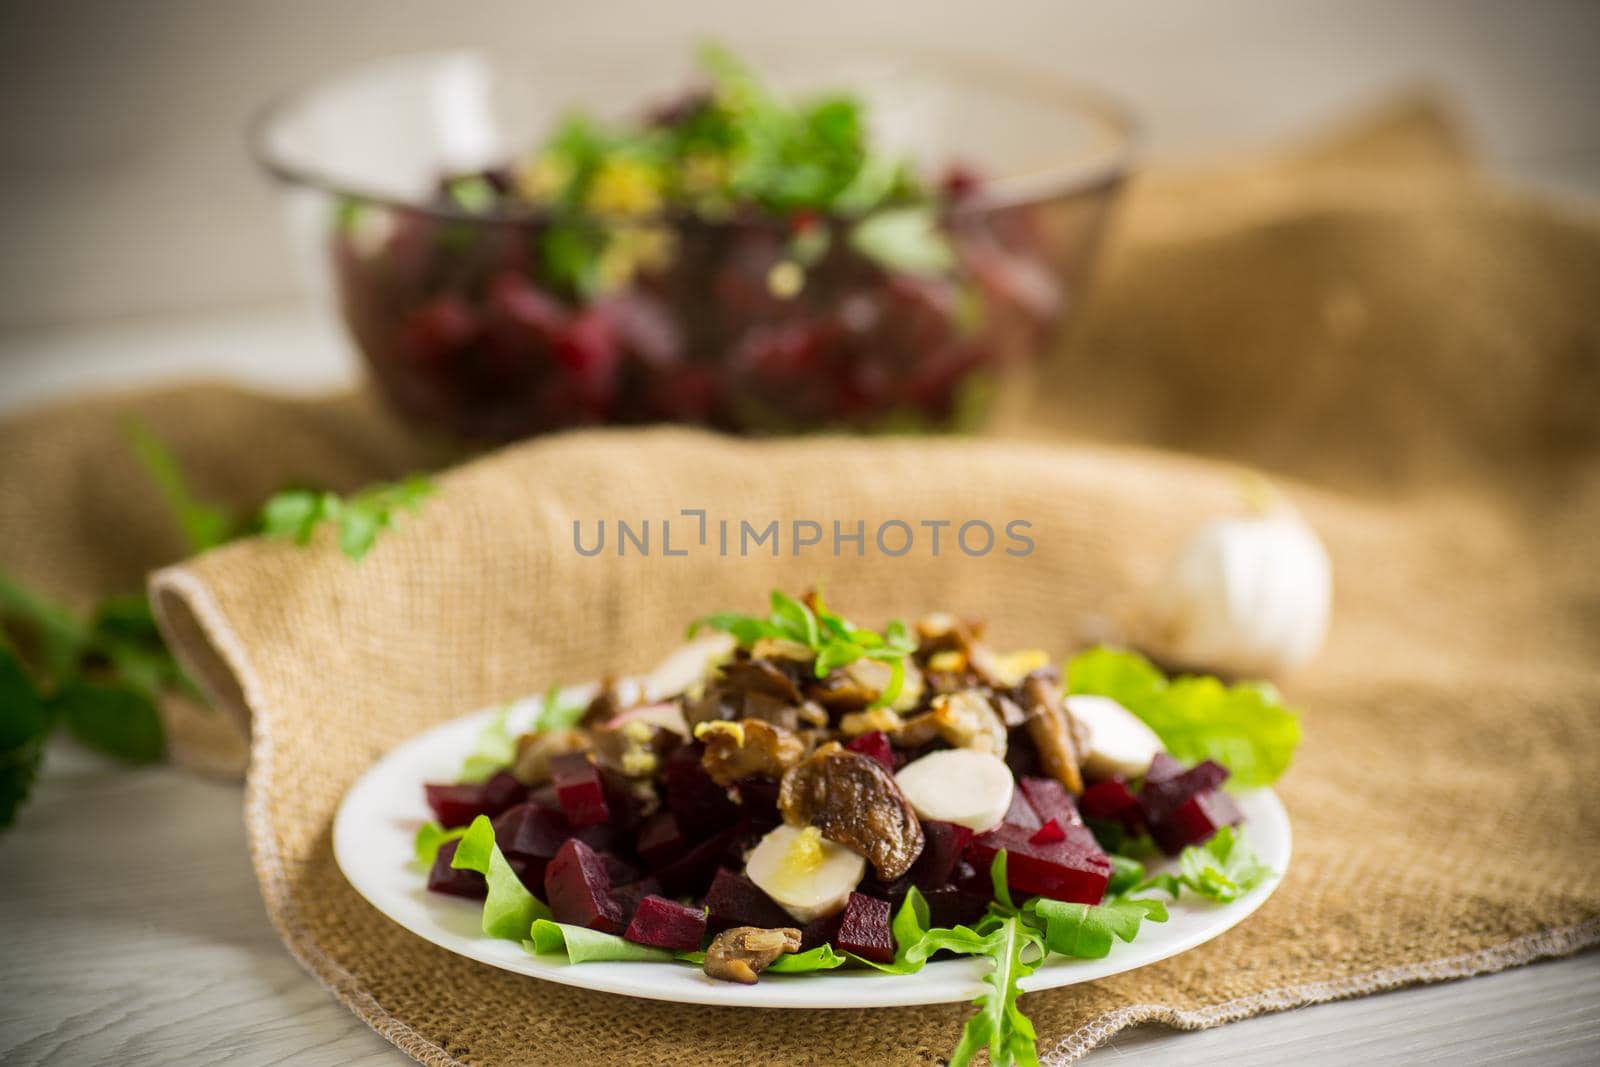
[{"x": 878, "y": 244}]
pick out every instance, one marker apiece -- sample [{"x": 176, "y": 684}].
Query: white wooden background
[{"x": 139, "y": 246}]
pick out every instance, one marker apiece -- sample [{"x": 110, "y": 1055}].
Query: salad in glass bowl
[
  {"x": 794, "y": 793},
  {"x": 742, "y": 256}
]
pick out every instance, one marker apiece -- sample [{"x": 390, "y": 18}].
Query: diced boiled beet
[
  {"x": 734, "y": 900},
  {"x": 660, "y": 841},
  {"x": 758, "y": 800},
  {"x": 942, "y": 845},
  {"x": 663, "y": 923},
  {"x": 1048, "y": 834},
  {"x": 629, "y": 896},
  {"x": 545, "y": 797},
  {"x": 1167, "y": 791},
  {"x": 863, "y": 928},
  {"x": 1073, "y": 869},
  {"x": 578, "y": 889},
  {"x": 455, "y": 805},
  {"x": 875, "y": 744},
  {"x": 691, "y": 873},
  {"x": 1050, "y": 800},
  {"x": 530, "y": 830},
  {"x": 1112, "y": 801},
  {"x": 530, "y": 872},
  {"x": 950, "y": 905},
  {"x": 1195, "y": 820},
  {"x": 502, "y": 791},
  {"x": 701, "y": 805},
  {"x": 443, "y": 878},
  {"x": 968, "y": 877},
  {"x": 894, "y": 892},
  {"x": 1162, "y": 768},
  {"x": 580, "y": 789},
  {"x": 817, "y": 932},
  {"x": 1021, "y": 812}
]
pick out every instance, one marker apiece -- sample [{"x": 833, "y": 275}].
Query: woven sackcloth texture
[{"x": 1411, "y": 354}]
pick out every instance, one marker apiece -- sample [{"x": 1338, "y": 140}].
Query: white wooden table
[{"x": 132, "y": 933}]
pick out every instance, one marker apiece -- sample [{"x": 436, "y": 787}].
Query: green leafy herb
[
  {"x": 1245, "y": 727},
  {"x": 1222, "y": 869},
  {"x": 1085, "y": 930},
  {"x": 556, "y": 714},
  {"x": 821, "y": 958},
  {"x": 430, "y": 838},
  {"x": 204, "y": 525},
  {"x": 999, "y": 1025},
  {"x": 582, "y": 945},
  {"x": 833, "y": 639},
  {"x": 24, "y": 726},
  {"x": 1126, "y": 873},
  {"x": 119, "y": 720},
  {"x": 359, "y": 518},
  {"x": 998, "y": 879},
  {"x": 509, "y": 909}
]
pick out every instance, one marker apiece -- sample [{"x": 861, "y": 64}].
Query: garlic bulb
[{"x": 1245, "y": 596}]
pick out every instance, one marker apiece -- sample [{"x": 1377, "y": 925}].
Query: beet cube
[
  {"x": 530, "y": 830},
  {"x": 545, "y": 797},
  {"x": 1164, "y": 790},
  {"x": 578, "y": 889},
  {"x": 1050, "y": 800},
  {"x": 943, "y": 843},
  {"x": 660, "y": 841},
  {"x": 624, "y": 808},
  {"x": 734, "y": 900},
  {"x": 580, "y": 789},
  {"x": 502, "y": 791},
  {"x": 1195, "y": 820},
  {"x": 1112, "y": 801},
  {"x": 690, "y": 873},
  {"x": 1073, "y": 869},
  {"x": 630, "y": 895},
  {"x": 875, "y": 744},
  {"x": 663, "y": 923},
  {"x": 863, "y": 928},
  {"x": 455, "y": 805},
  {"x": 950, "y": 905},
  {"x": 701, "y": 805},
  {"x": 1021, "y": 812},
  {"x": 443, "y": 878}
]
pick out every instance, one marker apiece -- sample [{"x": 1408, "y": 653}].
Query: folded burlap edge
[{"x": 195, "y": 625}]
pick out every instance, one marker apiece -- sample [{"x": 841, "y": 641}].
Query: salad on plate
[{"x": 791, "y": 793}]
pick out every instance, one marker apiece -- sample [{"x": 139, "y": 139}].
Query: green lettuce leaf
[
  {"x": 1085, "y": 931},
  {"x": 1221, "y": 870},
  {"x": 495, "y": 750},
  {"x": 582, "y": 945},
  {"x": 509, "y": 910},
  {"x": 821, "y": 958},
  {"x": 430, "y": 836},
  {"x": 1126, "y": 873},
  {"x": 1244, "y": 727}
]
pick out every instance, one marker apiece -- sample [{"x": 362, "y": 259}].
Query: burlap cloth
[{"x": 1413, "y": 355}]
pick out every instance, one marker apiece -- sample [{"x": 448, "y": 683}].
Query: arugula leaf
[
  {"x": 1245, "y": 727},
  {"x": 999, "y": 1023},
  {"x": 204, "y": 525},
  {"x": 1221, "y": 870},
  {"x": 359, "y": 518},
  {"x": 909, "y": 927},
  {"x": 509, "y": 909},
  {"x": 821, "y": 958},
  {"x": 582, "y": 945},
  {"x": 554, "y": 715},
  {"x": 1126, "y": 872},
  {"x": 1085, "y": 930},
  {"x": 430, "y": 838},
  {"x": 997, "y": 877}
]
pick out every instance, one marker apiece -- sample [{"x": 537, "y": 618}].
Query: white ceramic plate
[{"x": 372, "y": 842}]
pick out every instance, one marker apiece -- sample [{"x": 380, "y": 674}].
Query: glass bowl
[{"x": 462, "y": 334}]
